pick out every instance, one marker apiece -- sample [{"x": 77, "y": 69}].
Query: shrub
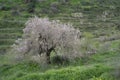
[
  {"x": 42, "y": 36},
  {"x": 60, "y": 60},
  {"x": 54, "y": 7},
  {"x": 31, "y": 5}
]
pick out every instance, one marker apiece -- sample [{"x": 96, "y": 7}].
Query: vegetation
[
  {"x": 99, "y": 51},
  {"x": 41, "y": 36}
]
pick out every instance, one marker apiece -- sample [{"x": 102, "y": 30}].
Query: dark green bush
[
  {"x": 60, "y": 60},
  {"x": 54, "y": 7},
  {"x": 31, "y": 6}
]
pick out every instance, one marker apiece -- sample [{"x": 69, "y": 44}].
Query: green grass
[
  {"x": 70, "y": 73},
  {"x": 33, "y": 71},
  {"x": 7, "y": 41},
  {"x": 10, "y": 35},
  {"x": 89, "y": 8},
  {"x": 100, "y": 66},
  {"x": 96, "y": 67}
]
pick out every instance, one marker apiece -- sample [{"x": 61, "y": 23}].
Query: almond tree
[{"x": 43, "y": 36}]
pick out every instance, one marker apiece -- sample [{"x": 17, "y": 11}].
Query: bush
[
  {"x": 31, "y": 6},
  {"x": 54, "y": 7},
  {"x": 60, "y": 60},
  {"x": 42, "y": 36}
]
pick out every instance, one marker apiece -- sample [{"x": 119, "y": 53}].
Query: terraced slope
[
  {"x": 9, "y": 32},
  {"x": 98, "y": 17}
]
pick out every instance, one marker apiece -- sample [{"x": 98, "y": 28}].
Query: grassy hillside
[
  {"x": 96, "y": 19},
  {"x": 99, "y": 17},
  {"x": 101, "y": 66}
]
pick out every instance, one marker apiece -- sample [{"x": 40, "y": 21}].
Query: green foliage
[
  {"x": 10, "y": 72},
  {"x": 70, "y": 73},
  {"x": 90, "y": 9},
  {"x": 95, "y": 69},
  {"x": 31, "y": 6},
  {"x": 60, "y": 60},
  {"x": 17, "y": 11}
]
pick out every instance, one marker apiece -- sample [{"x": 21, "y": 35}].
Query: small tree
[{"x": 43, "y": 36}]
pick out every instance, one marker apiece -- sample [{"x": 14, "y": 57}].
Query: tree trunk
[{"x": 48, "y": 57}]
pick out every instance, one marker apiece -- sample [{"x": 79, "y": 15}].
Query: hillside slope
[
  {"x": 99, "y": 17},
  {"x": 104, "y": 66},
  {"x": 96, "y": 19}
]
